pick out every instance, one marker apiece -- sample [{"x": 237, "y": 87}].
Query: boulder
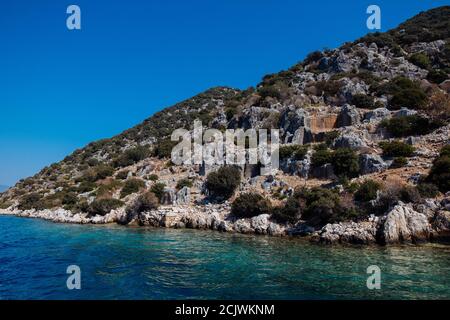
[
  {"x": 260, "y": 223},
  {"x": 404, "y": 224},
  {"x": 348, "y": 232},
  {"x": 324, "y": 172},
  {"x": 370, "y": 163},
  {"x": 169, "y": 196},
  {"x": 404, "y": 112},
  {"x": 183, "y": 196},
  {"x": 348, "y": 116},
  {"x": 377, "y": 114},
  {"x": 349, "y": 140},
  {"x": 293, "y": 119}
]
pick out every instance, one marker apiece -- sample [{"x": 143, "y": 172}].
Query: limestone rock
[{"x": 403, "y": 224}]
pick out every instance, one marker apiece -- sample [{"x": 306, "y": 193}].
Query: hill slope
[{"x": 336, "y": 111}]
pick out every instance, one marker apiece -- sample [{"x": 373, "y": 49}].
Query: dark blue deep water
[{"x": 145, "y": 263}]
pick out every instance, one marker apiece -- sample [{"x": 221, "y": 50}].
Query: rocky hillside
[{"x": 364, "y": 129}]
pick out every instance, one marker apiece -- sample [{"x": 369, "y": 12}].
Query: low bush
[
  {"x": 249, "y": 205},
  {"x": 131, "y": 156},
  {"x": 399, "y": 162},
  {"x": 102, "y": 207},
  {"x": 86, "y": 186},
  {"x": 145, "y": 202},
  {"x": 421, "y": 60},
  {"x": 428, "y": 190},
  {"x": 367, "y": 191},
  {"x": 321, "y": 156},
  {"x": 132, "y": 186},
  {"x": 30, "y": 201},
  {"x": 296, "y": 152},
  {"x": 345, "y": 163},
  {"x": 440, "y": 171},
  {"x": 184, "y": 183},
  {"x": 410, "y": 125},
  {"x": 437, "y": 76},
  {"x": 405, "y": 93},
  {"x": 153, "y": 177},
  {"x": 409, "y": 194},
  {"x": 396, "y": 149},
  {"x": 158, "y": 189},
  {"x": 122, "y": 175},
  {"x": 222, "y": 183},
  {"x": 363, "y": 101},
  {"x": 163, "y": 149},
  {"x": 317, "y": 206}
]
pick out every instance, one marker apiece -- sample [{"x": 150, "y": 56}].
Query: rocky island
[{"x": 364, "y": 154}]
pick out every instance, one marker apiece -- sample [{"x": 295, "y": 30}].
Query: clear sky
[{"x": 61, "y": 89}]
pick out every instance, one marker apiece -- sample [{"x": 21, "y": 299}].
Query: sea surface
[{"x": 119, "y": 262}]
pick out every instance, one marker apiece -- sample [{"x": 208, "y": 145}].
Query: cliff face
[{"x": 380, "y": 87}]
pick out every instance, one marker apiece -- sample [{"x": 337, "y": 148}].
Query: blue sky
[{"x": 61, "y": 89}]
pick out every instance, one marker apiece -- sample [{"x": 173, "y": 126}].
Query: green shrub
[
  {"x": 86, "y": 186},
  {"x": 222, "y": 183},
  {"x": 249, "y": 205},
  {"x": 330, "y": 87},
  {"x": 269, "y": 91},
  {"x": 396, "y": 149},
  {"x": 410, "y": 125},
  {"x": 367, "y": 191},
  {"x": 406, "y": 93},
  {"x": 428, "y": 190},
  {"x": 440, "y": 171},
  {"x": 409, "y": 194},
  {"x": 103, "y": 206},
  {"x": 163, "y": 149},
  {"x": 363, "y": 101},
  {"x": 399, "y": 162},
  {"x": 445, "y": 151},
  {"x": 296, "y": 152},
  {"x": 345, "y": 163},
  {"x": 131, "y": 156},
  {"x": 122, "y": 175},
  {"x": 321, "y": 157},
  {"x": 158, "y": 189},
  {"x": 421, "y": 60},
  {"x": 153, "y": 177},
  {"x": 317, "y": 206},
  {"x": 132, "y": 186},
  {"x": 184, "y": 183},
  {"x": 437, "y": 76},
  {"x": 69, "y": 199},
  {"x": 412, "y": 98},
  {"x": 103, "y": 171},
  {"x": 145, "y": 202},
  {"x": 330, "y": 136},
  {"x": 30, "y": 201}
]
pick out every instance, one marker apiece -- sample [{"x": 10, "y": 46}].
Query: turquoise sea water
[{"x": 146, "y": 263}]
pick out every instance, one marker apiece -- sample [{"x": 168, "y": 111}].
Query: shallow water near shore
[{"x": 149, "y": 263}]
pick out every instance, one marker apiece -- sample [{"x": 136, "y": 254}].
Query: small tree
[
  {"x": 104, "y": 206},
  {"x": 158, "y": 189},
  {"x": 145, "y": 202},
  {"x": 396, "y": 149},
  {"x": 249, "y": 205},
  {"x": 346, "y": 163},
  {"x": 222, "y": 183},
  {"x": 440, "y": 171},
  {"x": 131, "y": 186},
  {"x": 367, "y": 191}
]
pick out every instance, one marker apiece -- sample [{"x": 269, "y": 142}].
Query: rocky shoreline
[{"x": 404, "y": 223}]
